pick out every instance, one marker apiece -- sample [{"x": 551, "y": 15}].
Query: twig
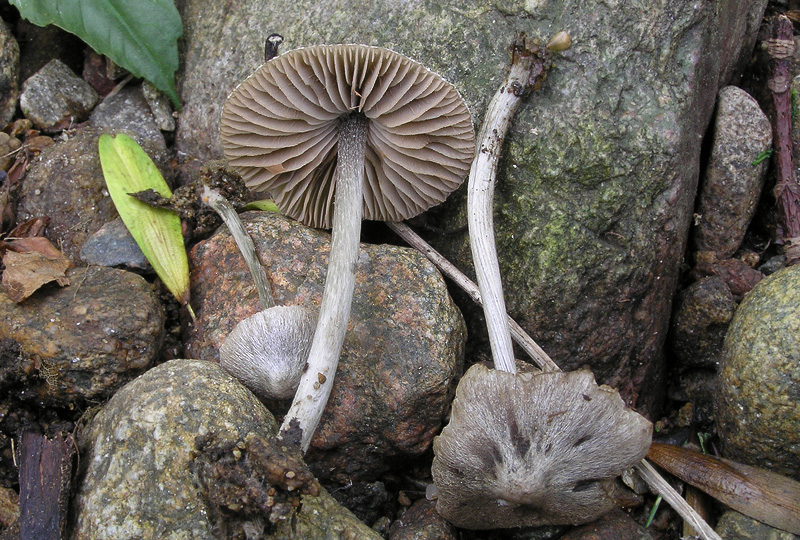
[
  {"x": 537, "y": 354},
  {"x": 787, "y": 192},
  {"x": 662, "y": 487}
]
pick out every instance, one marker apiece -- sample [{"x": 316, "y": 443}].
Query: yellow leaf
[{"x": 128, "y": 169}]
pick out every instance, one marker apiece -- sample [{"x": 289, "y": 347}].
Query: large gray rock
[
  {"x": 758, "y": 397},
  {"x": 402, "y": 351},
  {"x": 601, "y": 167}
]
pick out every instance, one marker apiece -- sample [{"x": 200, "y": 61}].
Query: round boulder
[{"x": 758, "y": 402}]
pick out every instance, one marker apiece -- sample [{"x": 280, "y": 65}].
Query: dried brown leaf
[{"x": 26, "y": 272}]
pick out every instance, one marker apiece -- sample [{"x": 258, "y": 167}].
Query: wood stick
[
  {"x": 787, "y": 192},
  {"x": 45, "y": 473}
]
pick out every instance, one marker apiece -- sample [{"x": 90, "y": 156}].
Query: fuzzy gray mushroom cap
[
  {"x": 279, "y": 129},
  {"x": 267, "y": 351},
  {"x": 533, "y": 449}
]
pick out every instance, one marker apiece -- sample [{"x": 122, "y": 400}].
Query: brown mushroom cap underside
[
  {"x": 533, "y": 449},
  {"x": 279, "y": 129}
]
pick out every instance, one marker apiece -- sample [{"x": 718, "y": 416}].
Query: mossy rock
[{"x": 758, "y": 403}]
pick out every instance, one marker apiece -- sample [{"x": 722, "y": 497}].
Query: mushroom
[
  {"x": 529, "y": 65},
  {"x": 335, "y": 133},
  {"x": 266, "y": 351},
  {"x": 533, "y": 449}
]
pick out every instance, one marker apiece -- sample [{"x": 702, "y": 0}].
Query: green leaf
[
  {"x": 265, "y": 205},
  {"x": 128, "y": 169},
  {"x": 139, "y": 35}
]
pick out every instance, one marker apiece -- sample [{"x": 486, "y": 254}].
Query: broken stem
[
  {"x": 243, "y": 241},
  {"x": 537, "y": 354}
]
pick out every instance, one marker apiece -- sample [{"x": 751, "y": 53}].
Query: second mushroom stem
[
  {"x": 528, "y": 68},
  {"x": 243, "y": 241},
  {"x": 315, "y": 386}
]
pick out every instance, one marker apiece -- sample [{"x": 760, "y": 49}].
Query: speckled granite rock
[
  {"x": 597, "y": 185},
  {"x": 86, "y": 340},
  {"x": 9, "y": 74},
  {"x": 732, "y": 184},
  {"x": 403, "y": 348},
  {"x": 129, "y": 111},
  {"x": 702, "y": 313},
  {"x": 66, "y": 184},
  {"x": 137, "y": 482},
  {"x": 735, "y": 526},
  {"x": 758, "y": 398},
  {"x": 55, "y": 97}
]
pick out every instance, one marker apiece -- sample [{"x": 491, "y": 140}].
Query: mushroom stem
[
  {"x": 528, "y": 69},
  {"x": 315, "y": 386},
  {"x": 662, "y": 487},
  {"x": 537, "y": 354},
  {"x": 243, "y": 241}
]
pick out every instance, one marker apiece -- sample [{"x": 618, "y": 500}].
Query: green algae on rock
[{"x": 758, "y": 402}]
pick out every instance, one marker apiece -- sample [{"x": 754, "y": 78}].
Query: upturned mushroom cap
[
  {"x": 533, "y": 449},
  {"x": 267, "y": 351},
  {"x": 279, "y": 128}
]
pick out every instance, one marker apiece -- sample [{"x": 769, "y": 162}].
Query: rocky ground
[{"x": 638, "y": 238}]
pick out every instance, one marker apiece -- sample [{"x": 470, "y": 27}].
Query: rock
[
  {"x": 702, "y": 313},
  {"x": 732, "y": 184},
  {"x": 422, "y": 522},
  {"x": 66, "y": 184},
  {"x": 55, "y": 98},
  {"x": 9, "y": 74},
  {"x": 735, "y": 526},
  {"x": 139, "y": 451},
  {"x": 113, "y": 245},
  {"x": 699, "y": 387},
  {"x": 322, "y": 518},
  {"x": 127, "y": 111},
  {"x": 86, "y": 340},
  {"x": 9, "y": 506},
  {"x": 738, "y": 276},
  {"x": 369, "y": 501},
  {"x": 8, "y": 145},
  {"x": 160, "y": 106},
  {"x": 402, "y": 351},
  {"x": 758, "y": 399},
  {"x": 598, "y": 180},
  {"x": 616, "y": 525}
]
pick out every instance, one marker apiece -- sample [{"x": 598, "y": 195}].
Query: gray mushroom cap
[
  {"x": 268, "y": 350},
  {"x": 279, "y": 129},
  {"x": 533, "y": 449}
]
